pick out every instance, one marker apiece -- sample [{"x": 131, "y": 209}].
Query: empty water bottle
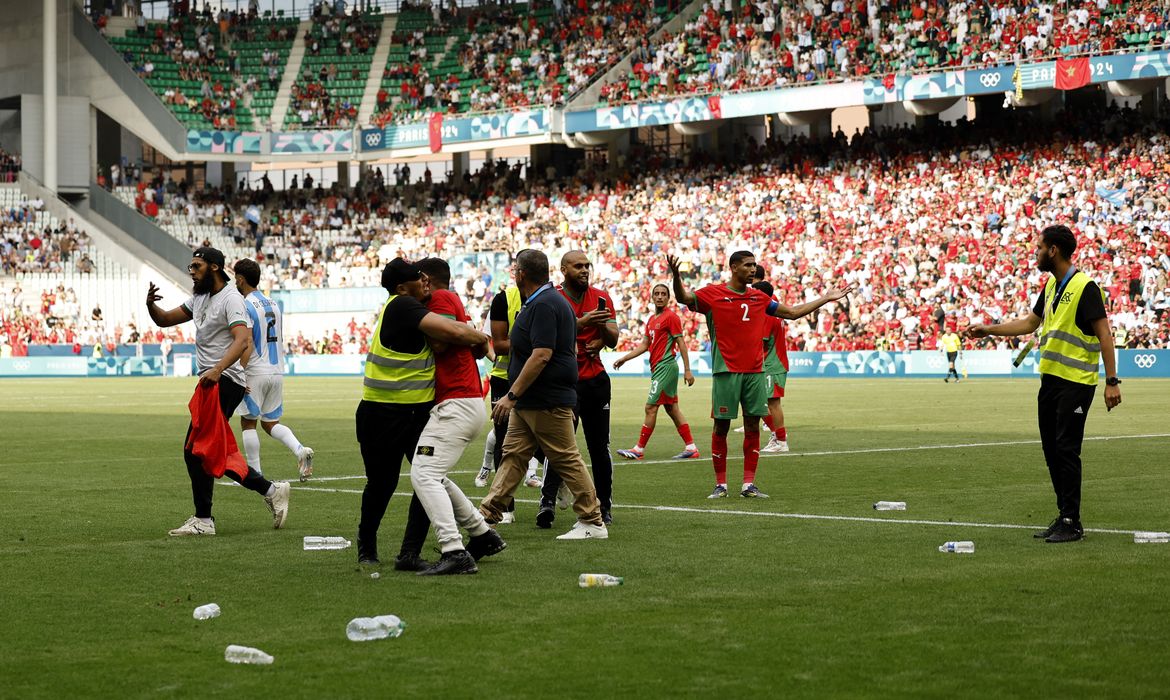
[
  {"x": 237, "y": 654},
  {"x": 206, "y": 612},
  {"x": 890, "y": 505},
  {"x": 598, "y": 580},
  {"x": 964, "y": 547},
  {"x": 1151, "y": 537},
  {"x": 326, "y": 543},
  {"x": 364, "y": 629}
]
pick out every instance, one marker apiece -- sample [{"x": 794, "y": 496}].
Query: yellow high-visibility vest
[
  {"x": 1065, "y": 351},
  {"x": 397, "y": 377},
  {"x": 512, "y": 294}
]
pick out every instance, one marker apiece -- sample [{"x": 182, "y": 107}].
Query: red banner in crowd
[
  {"x": 715, "y": 105},
  {"x": 1072, "y": 73},
  {"x": 436, "y": 132}
]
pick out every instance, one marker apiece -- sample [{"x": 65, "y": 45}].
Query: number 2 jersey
[
  {"x": 267, "y": 335},
  {"x": 736, "y": 322}
]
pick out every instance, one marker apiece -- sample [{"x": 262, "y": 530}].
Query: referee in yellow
[
  {"x": 953, "y": 346},
  {"x": 1075, "y": 337}
]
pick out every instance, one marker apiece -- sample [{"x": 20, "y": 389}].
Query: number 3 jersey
[
  {"x": 735, "y": 321},
  {"x": 267, "y": 334}
]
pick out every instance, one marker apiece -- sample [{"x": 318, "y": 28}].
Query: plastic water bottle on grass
[
  {"x": 890, "y": 505},
  {"x": 365, "y": 629},
  {"x": 1151, "y": 537},
  {"x": 315, "y": 543},
  {"x": 206, "y": 612},
  {"x": 964, "y": 547},
  {"x": 237, "y": 654},
  {"x": 599, "y": 580}
]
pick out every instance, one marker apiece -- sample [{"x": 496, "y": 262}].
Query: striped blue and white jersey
[{"x": 267, "y": 336}]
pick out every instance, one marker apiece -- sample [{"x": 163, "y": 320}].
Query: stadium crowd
[
  {"x": 9, "y": 166},
  {"x": 931, "y": 225}
]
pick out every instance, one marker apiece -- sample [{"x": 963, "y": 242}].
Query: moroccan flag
[
  {"x": 715, "y": 105},
  {"x": 889, "y": 82},
  {"x": 436, "y": 132},
  {"x": 1072, "y": 73}
]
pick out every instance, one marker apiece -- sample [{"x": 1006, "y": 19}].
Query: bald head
[{"x": 576, "y": 268}]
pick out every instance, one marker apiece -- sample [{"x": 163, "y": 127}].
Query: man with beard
[
  {"x": 221, "y": 339},
  {"x": 1076, "y": 337},
  {"x": 663, "y": 336},
  {"x": 397, "y": 396},
  {"x": 596, "y": 329}
]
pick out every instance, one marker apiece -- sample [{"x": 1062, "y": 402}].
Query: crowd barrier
[{"x": 58, "y": 361}]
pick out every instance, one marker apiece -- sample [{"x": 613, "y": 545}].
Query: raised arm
[
  {"x": 445, "y": 330},
  {"x": 164, "y": 319},
  {"x": 794, "y": 312},
  {"x": 683, "y": 295}
]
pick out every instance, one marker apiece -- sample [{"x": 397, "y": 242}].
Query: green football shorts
[
  {"x": 730, "y": 390},
  {"x": 663, "y": 385}
]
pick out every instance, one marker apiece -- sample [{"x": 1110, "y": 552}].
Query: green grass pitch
[{"x": 729, "y": 598}]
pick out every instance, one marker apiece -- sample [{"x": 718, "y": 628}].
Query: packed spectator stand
[{"x": 338, "y": 53}]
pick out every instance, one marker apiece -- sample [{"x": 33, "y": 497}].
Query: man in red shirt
[
  {"x": 735, "y": 320},
  {"x": 454, "y": 422},
  {"x": 663, "y": 335},
  {"x": 596, "y": 329}
]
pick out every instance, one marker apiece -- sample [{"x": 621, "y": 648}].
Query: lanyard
[
  {"x": 547, "y": 285},
  {"x": 1063, "y": 283}
]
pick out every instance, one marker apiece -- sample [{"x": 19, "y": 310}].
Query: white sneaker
[
  {"x": 481, "y": 479},
  {"x": 533, "y": 481},
  {"x": 739, "y": 429},
  {"x": 305, "y": 462},
  {"x": 585, "y": 531},
  {"x": 564, "y": 497},
  {"x": 508, "y": 519},
  {"x": 194, "y": 526},
  {"x": 278, "y": 504},
  {"x": 782, "y": 446}
]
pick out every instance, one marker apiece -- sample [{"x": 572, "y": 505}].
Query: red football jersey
[
  {"x": 662, "y": 329},
  {"x": 456, "y": 372},
  {"x": 588, "y": 366},
  {"x": 735, "y": 321}
]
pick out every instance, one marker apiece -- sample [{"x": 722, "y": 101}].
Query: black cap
[
  {"x": 398, "y": 271},
  {"x": 213, "y": 257}
]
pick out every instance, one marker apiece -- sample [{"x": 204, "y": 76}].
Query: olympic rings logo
[
  {"x": 990, "y": 80},
  {"x": 1145, "y": 361},
  {"x": 373, "y": 139}
]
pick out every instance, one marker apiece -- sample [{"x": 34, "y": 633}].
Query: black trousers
[
  {"x": 202, "y": 483},
  {"x": 387, "y": 433},
  {"x": 1063, "y": 406},
  {"x": 592, "y": 413}
]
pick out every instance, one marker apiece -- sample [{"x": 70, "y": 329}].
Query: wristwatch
[
  {"x": 513, "y": 397},
  {"x": 1112, "y": 381}
]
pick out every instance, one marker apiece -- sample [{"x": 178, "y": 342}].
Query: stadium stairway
[
  {"x": 591, "y": 95},
  {"x": 377, "y": 70},
  {"x": 292, "y": 69}
]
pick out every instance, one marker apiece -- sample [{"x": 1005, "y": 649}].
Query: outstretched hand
[
  {"x": 673, "y": 262},
  {"x": 977, "y": 331},
  {"x": 837, "y": 294},
  {"x": 152, "y": 294}
]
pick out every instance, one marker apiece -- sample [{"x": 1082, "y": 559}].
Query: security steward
[
  {"x": 397, "y": 395},
  {"x": 1075, "y": 337}
]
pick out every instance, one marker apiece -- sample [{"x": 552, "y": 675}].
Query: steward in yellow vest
[{"x": 1074, "y": 339}]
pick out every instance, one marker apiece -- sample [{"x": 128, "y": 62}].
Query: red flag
[
  {"x": 1072, "y": 73},
  {"x": 715, "y": 105},
  {"x": 436, "y": 132},
  {"x": 889, "y": 82},
  {"x": 211, "y": 438}
]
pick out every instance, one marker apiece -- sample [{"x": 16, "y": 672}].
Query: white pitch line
[
  {"x": 871, "y": 450},
  {"x": 794, "y": 516}
]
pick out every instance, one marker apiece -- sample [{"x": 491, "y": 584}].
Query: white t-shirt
[{"x": 214, "y": 316}]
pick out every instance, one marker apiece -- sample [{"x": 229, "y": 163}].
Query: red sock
[
  {"x": 645, "y": 436},
  {"x": 684, "y": 431},
  {"x": 782, "y": 433},
  {"x": 751, "y": 456},
  {"x": 719, "y": 457},
  {"x": 768, "y": 423}
]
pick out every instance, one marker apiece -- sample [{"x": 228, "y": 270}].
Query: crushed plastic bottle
[
  {"x": 599, "y": 580},
  {"x": 365, "y": 629},
  {"x": 206, "y": 612},
  {"x": 964, "y": 547},
  {"x": 890, "y": 505},
  {"x": 314, "y": 543},
  {"x": 1151, "y": 537},
  {"x": 237, "y": 654}
]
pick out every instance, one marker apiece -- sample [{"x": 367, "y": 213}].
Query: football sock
[
  {"x": 719, "y": 457},
  {"x": 282, "y": 433},
  {"x": 251, "y": 440},
  {"x": 782, "y": 433},
  {"x": 751, "y": 456},
  {"x": 489, "y": 448},
  {"x": 768, "y": 423},
  {"x": 684, "y": 431},
  {"x": 644, "y": 437}
]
